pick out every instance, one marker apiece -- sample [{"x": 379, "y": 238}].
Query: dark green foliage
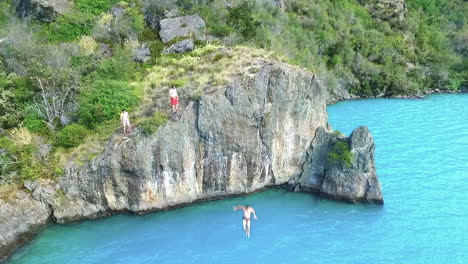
[
  {"x": 94, "y": 7},
  {"x": 68, "y": 27},
  {"x": 241, "y": 17},
  {"x": 221, "y": 30},
  {"x": 34, "y": 123},
  {"x": 149, "y": 126},
  {"x": 105, "y": 100},
  {"x": 340, "y": 154},
  {"x": 72, "y": 136},
  {"x": 15, "y": 94},
  {"x": 114, "y": 68}
]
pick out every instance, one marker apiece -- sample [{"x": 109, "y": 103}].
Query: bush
[
  {"x": 35, "y": 124},
  {"x": 340, "y": 154},
  {"x": 149, "y": 126},
  {"x": 119, "y": 68},
  {"x": 71, "y": 136},
  {"x": 105, "y": 100},
  {"x": 241, "y": 17},
  {"x": 94, "y": 7},
  {"x": 69, "y": 27},
  {"x": 221, "y": 30}
]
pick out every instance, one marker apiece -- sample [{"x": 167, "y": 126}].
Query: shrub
[
  {"x": 69, "y": 27},
  {"x": 105, "y": 100},
  {"x": 87, "y": 45},
  {"x": 221, "y": 30},
  {"x": 35, "y": 124},
  {"x": 241, "y": 17},
  {"x": 340, "y": 154},
  {"x": 71, "y": 136},
  {"x": 149, "y": 126},
  {"x": 94, "y": 7},
  {"x": 120, "y": 68}
]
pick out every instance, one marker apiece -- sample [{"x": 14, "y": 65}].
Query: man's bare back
[{"x": 248, "y": 210}]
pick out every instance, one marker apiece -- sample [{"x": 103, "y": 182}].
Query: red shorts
[{"x": 174, "y": 100}]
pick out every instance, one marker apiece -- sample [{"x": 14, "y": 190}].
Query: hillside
[{"x": 68, "y": 69}]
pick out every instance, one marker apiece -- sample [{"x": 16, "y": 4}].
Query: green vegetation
[
  {"x": 72, "y": 136},
  {"x": 340, "y": 154},
  {"x": 105, "y": 100},
  {"x": 149, "y": 126},
  {"x": 70, "y": 78}
]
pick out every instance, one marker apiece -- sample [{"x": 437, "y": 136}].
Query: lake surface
[{"x": 422, "y": 163}]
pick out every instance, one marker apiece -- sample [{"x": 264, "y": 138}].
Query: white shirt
[{"x": 173, "y": 93}]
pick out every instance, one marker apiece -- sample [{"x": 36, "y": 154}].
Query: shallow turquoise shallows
[{"x": 422, "y": 163}]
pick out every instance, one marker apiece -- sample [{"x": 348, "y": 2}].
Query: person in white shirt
[
  {"x": 174, "y": 99},
  {"x": 125, "y": 120}
]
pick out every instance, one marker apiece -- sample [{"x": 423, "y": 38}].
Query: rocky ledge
[{"x": 265, "y": 129}]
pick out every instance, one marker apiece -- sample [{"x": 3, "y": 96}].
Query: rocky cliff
[{"x": 269, "y": 128}]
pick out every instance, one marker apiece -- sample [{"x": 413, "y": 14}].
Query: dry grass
[{"x": 210, "y": 66}]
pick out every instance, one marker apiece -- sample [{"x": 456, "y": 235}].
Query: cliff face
[
  {"x": 237, "y": 139},
  {"x": 356, "y": 182},
  {"x": 267, "y": 128}
]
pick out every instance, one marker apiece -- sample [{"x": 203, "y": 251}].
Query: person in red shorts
[{"x": 174, "y": 99}]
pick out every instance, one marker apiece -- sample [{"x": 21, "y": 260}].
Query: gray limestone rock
[
  {"x": 21, "y": 218},
  {"x": 183, "y": 46},
  {"x": 236, "y": 139},
  {"x": 45, "y": 10},
  {"x": 357, "y": 183},
  {"x": 187, "y": 26}
]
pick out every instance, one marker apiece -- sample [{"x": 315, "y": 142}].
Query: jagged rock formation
[
  {"x": 20, "y": 219},
  {"x": 237, "y": 139},
  {"x": 182, "y": 27},
  {"x": 386, "y": 10},
  {"x": 45, "y": 10},
  {"x": 357, "y": 182},
  {"x": 263, "y": 129}
]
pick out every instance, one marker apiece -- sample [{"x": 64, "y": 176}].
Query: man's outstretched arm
[{"x": 239, "y": 207}]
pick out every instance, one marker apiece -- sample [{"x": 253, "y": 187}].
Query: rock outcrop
[
  {"x": 237, "y": 139},
  {"x": 265, "y": 128},
  {"x": 185, "y": 45},
  {"x": 45, "y": 10},
  {"x": 357, "y": 182},
  {"x": 182, "y": 27},
  {"x": 21, "y": 217}
]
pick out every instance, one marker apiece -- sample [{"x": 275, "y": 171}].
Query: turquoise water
[{"x": 422, "y": 163}]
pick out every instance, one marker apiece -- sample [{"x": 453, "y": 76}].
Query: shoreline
[{"x": 30, "y": 235}]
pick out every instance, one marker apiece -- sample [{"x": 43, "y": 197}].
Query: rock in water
[
  {"x": 20, "y": 218},
  {"x": 357, "y": 182},
  {"x": 45, "y": 10},
  {"x": 186, "y": 26}
]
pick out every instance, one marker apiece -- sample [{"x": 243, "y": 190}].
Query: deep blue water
[{"x": 422, "y": 163}]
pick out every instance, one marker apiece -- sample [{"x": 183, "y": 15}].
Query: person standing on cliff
[
  {"x": 174, "y": 99},
  {"x": 125, "y": 120},
  {"x": 248, "y": 210}
]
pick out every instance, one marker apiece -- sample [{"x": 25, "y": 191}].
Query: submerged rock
[{"x": 45, "y": 10}]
